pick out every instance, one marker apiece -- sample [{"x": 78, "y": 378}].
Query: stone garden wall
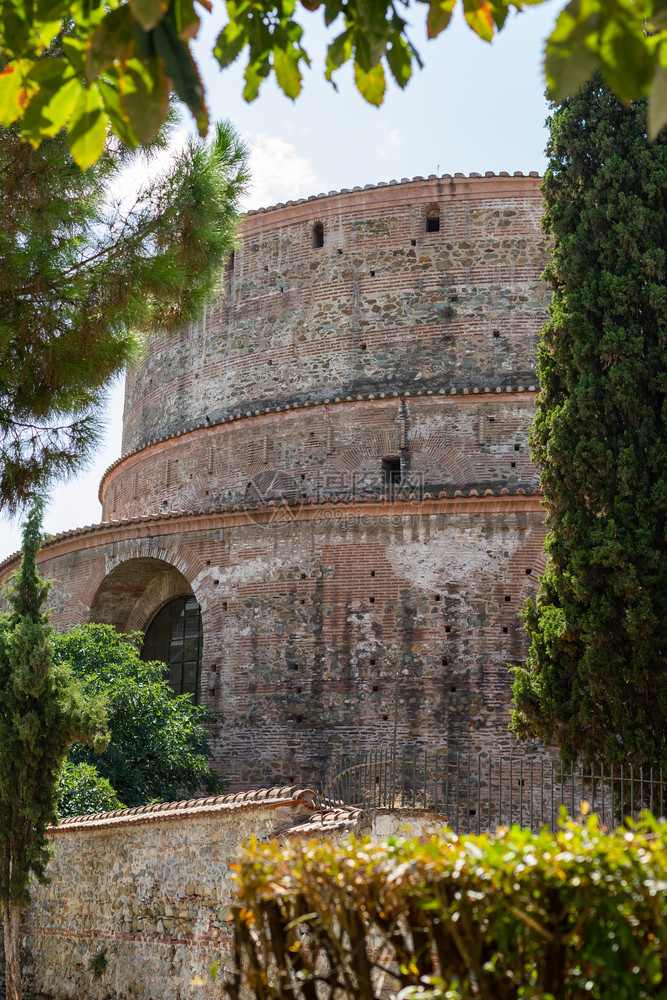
[{"x": 153, "y": 886}]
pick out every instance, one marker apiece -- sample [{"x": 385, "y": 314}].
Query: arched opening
[
  {"x": 433, "y": 220},
  {"x": 318, "y": 236},
  {"x": 129, "y": 595},
  {"x": 175, "y": 637}
]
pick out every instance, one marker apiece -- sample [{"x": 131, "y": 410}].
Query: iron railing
[{"x": 480, "y": 792}]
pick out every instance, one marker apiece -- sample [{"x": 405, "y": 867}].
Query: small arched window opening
[
  {"x": 175, "y": 637},
  {"x": 433, "y": 220},
  {"x": 318, "y": 236}
]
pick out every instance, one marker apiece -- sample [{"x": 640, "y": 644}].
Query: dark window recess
[
  {"x": 433, "y": 222},
  {"x": 448, "y": 628},
  {"x": 372, "y": 662},
  {"x": 513, "y": 465},
  {"x": 376, "y": 687},
  {"x": 298, "y": 718},
  {"x": 299, "y": 690},
  {"x": 230, "y": 263},
  {"x": 295, "y": 666},
  {"x": 505, "y": 629},
  {"x": 175, "y": 637},
  {"x": 528, "y": 571},
  {"x": 385, "y": 718},
  {"x": 445, "y": 661},
  {"x": 413, "y": 243},
  {"x": 507, "y": 597},
  {"x": 372, "y": 572},
  {"x": 437, "y": 597},
  {"x": 318, "y": 236},
  {"x": 517, "y": 447},
  {"x": 372, "y": 600},
  {"x": 372, "y": 274},
  {"x": 391, "y": 471},
  {"x": 452, "y": 689},
  {"x": 363, "y": 346},
  {"x": 224, "y": 605}
]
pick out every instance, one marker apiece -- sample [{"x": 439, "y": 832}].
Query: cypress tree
[
  {"x": 42, "y": 713},
  {"x": 596, "y": 677}
]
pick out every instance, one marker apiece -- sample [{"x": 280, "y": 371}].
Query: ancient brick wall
[{"x": 256, "y": 476}]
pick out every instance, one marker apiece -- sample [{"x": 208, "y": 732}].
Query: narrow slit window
[
  {"x": 433, "y": 220},
  {"x": 391, "y": 472},
  {"x": 318, "y": 236}
]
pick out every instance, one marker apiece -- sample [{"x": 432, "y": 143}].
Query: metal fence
[{"x": 480, "y": 792}]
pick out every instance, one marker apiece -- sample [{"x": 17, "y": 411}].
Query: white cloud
[
  {"x": 279, "y": 172},
  {"x": 392, "y": 140}
]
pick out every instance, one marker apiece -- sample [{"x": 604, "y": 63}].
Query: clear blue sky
[{"x": 474, "y": 107}]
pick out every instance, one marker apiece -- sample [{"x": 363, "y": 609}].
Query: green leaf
[
  {"x": 439, "y": 15},
  {"x": 182, "y": 71},
  {"x": 479, "y": 16},
  {"x": 112, "y": 39},
  {"x": 120, "y": 124},
  {"x": 288, "y": 75},
  {"x": 144, "y": 98},
  {"x": 399, "y": 58},
  {"x": 14, "y": 90},
  {"x": 229, "y": 43},
  {"x": 87, "y": 130},
  {"x": 370, "y": 84},
  {"x": 75, "y": 51},
  {"x": 253, "y": 80},
  {"x": 657, "y": 102},
  {"x": 149, "y": 13},
  {"x": 186, "y": 18},
  {"x": 51, "y": 109},
  {"x": 339, "y": 51},
  {"x": 572, "y": 48}
]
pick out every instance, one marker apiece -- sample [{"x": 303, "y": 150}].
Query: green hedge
[{"x": 575, "y": 914}]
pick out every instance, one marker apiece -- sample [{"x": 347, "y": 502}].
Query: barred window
[{"x": 175, "y": 637}]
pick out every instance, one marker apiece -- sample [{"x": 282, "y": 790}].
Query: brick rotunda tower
[{"x": 325, "y": 517}]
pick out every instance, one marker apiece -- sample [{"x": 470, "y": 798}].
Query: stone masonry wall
[
  {"x": 154, "y": 886},
  {"x": 382, "y": 306},
  {"x": 256, "y": 476},
  {"x": 318, "y": 619}
]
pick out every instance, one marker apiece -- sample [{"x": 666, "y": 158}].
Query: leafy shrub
[
  {"x": 158, "y": 750},
  {"x": 569, "y": 915},
  {"x": 82, "y": 789}
]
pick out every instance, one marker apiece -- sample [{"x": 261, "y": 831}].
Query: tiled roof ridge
[
  {"x": 240, "y": 413},
  {"x": 526, "y": 490},
  {"x": 392, "y": 183},
  {"x": 267, "y": 797}
]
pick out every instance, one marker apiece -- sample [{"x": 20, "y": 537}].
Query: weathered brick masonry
[{"x": 334, "y": 463}]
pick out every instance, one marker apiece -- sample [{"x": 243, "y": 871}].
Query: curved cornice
[
  {"x": 449, "y": 502},
  {"x": 484, "y": 394},
  {"x": 432, "y": 188}
]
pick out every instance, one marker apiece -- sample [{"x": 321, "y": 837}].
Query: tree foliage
[
  {"x": 121, "y": 57},
  {"x": 82, "y": 789},
  {"x": 43, "y": 711},
  {"x": 596, "y": 677},
  {"x": 575, "y": 915},
  {"x": 84, "y": 273},
  {"x": 158, "y": 747}
]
